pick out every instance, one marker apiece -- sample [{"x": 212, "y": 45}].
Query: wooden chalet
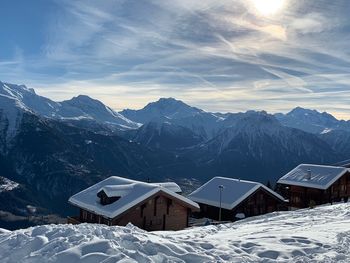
[
  {"x": 309, "y": 185},
  {"x": 118, "y": 201},
  {"x": 237, "y": 198}
]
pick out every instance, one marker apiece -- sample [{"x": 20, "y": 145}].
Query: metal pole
[{"x": 220, "y": 190}]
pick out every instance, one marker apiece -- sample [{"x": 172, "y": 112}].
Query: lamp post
[{"x": 221, "y": 187}]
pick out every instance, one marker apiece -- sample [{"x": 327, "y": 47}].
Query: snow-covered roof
[
  {"x": 313, "y": 176},
  {"x": 124, "y": 189},
  {"x": 233, "y": 193},
  {"x": 170, "y": 186},
  {"x": 131, "y": 193}
]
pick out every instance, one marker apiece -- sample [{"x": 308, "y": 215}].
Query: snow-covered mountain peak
[
  {"x": 24, "y": 88},
  {"x": 164, "y": 108},
  {"x": 95, "y": 109},
  {"x": 165, "y": 102},
  {"x": 16, "y": 91},
  {"x": 84, "y": 99},
  {"x": 300, "y": 112},
  {"x": 253, "y": 123},
  {"x": 171, "y": 108},
  {"x": 258, "y": 119},
  {"x": 311, "y": 120},
  {"x": 253, "y": 132},
  {"x": 202, "y": 123},
  {"x": 85, "y": 103},
  {"x": 28, "y": 99},
  {"x": 12, "y": 107},
  {"x": 78, "y": 108}
]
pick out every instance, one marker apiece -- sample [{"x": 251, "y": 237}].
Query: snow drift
[{"x": 317, "y": 235}]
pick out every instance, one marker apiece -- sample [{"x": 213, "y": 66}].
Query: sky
[{"x": 219, "y": 55}]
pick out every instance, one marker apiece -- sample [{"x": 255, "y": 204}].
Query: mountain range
[
  {"x": 312, "y": 121},
  {"x": 51, "y": 150}
]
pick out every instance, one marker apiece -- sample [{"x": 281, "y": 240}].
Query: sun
[{"x": 268, "y": 7}]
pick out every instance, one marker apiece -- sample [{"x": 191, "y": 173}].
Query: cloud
[
  {"x": 208, "y": 52},
  {"x": 310, "y": 23}
]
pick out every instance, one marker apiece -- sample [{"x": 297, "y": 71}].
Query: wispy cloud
[{"x": 220, "y": 55}]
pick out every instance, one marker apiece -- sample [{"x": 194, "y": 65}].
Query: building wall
[
  {"x": 260, "y": 202},
  {"x": 159, "y": 218},
  {"x": 88, "y": 217},
  {"x": 301, "y": 197},
  {"x": 156, "y": 213}
]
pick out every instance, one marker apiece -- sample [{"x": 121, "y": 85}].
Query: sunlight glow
[{"x": 268, "y": 7}]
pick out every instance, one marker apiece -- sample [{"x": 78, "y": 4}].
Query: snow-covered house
[
  {"x": 237, "y": 199},
  {"x": 310, "y": 184},
  {"x": 118, "y": 201}
]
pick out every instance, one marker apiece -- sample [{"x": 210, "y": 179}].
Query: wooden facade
[
  {"x": 258, "y": 203},
  {"x": 158, "y": 212},
  {"x": 302, "y": 197}
]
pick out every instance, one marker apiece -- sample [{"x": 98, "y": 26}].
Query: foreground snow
[{"x": 316, "y": 235}]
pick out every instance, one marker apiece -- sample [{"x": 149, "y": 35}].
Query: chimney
[{"x": 308, "y": 175}]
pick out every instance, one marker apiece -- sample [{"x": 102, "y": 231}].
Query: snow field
[{"x": 310, "y": 235}]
